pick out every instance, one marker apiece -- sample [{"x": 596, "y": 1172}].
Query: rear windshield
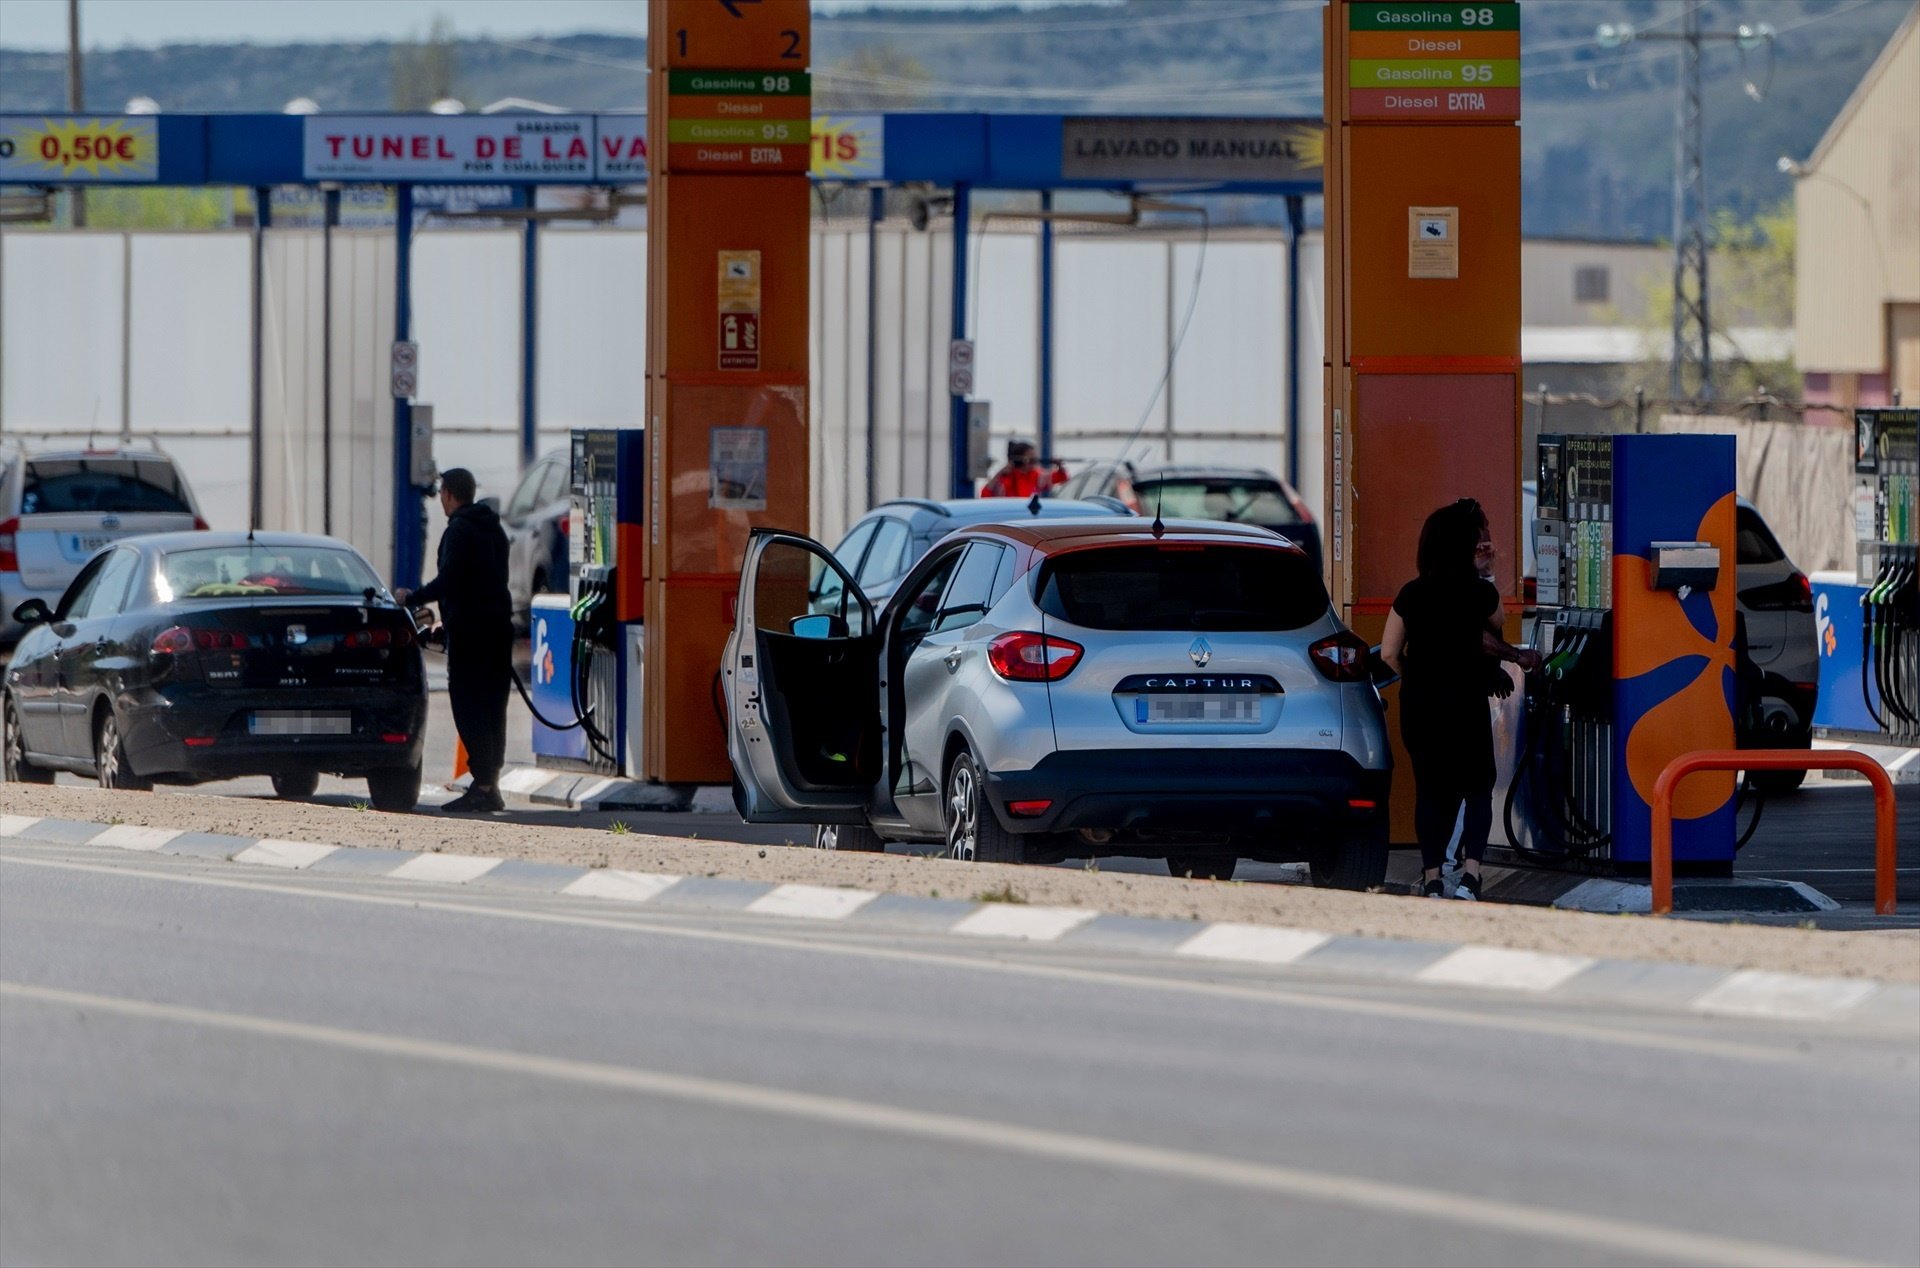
[
  {"x": 1177, "y": 586},
  {"x": 119, "y": 486},
  {"x": 1217, "y": 498},
  {"x": 1756, "y": 544},
  {"x": 243, "y": 571}
]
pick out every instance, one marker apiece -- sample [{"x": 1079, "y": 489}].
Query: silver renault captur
[{"x": 1063, "y": 688}]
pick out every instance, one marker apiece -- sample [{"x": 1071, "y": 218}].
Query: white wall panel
[
  {"x": 1004, "y": 308},
  {"x": 1110, "y": 344},
  {"x": 60, "y": 326},
  {"x": 593, "y": 330},
  {"x": 1231, "y": 371}
]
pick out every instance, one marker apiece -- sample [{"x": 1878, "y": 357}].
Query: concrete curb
[
  {"x": 594, "y": 792},
  {"x": 1691, "y": 988}
]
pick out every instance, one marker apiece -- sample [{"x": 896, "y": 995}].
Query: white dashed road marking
[
  {"x": 1505, "y": 969},
  {"x": 290, "y": 854},
  {"x": 631, "y": 887},
  {"x": 1752, "y": 993},
  {"x": 815, "y": 902},
  {"x": 1033, "y": 924},
  {"x": 1256, "y": 943},
  {"x": 14, "y": 825},
  {"x": 127, "y": 836},
  {"x": 454, "y": 869}
]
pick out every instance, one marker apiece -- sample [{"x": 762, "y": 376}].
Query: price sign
[
  {"x": 743, "y": 34},
  {"x": 739, "y": 120},
  {"x": 78, "y": 149},
  {"x": 1433, "y": 60}
]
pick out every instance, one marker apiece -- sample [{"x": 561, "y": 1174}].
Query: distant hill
[{"x": 1598, "y": 162}]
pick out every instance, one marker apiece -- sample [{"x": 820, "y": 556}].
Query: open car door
[{"x": 801, "y": 676}]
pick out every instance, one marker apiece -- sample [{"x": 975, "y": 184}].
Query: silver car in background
[
  {"x": 1063, "y": 688},
  {"x": 59, "y": 508}
]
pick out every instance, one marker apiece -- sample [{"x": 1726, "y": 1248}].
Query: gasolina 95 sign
[{"x": 78, "y": 148}]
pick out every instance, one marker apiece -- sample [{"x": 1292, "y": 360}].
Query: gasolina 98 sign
[{"x": 78, "y": 149}]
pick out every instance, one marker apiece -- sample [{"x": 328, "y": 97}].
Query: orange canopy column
[
  {"x": 1422, "y": 293},
  {"x": 729, "y": 101}
]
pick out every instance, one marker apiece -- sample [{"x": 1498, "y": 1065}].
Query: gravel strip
[{"x": 1807, "y": 951}]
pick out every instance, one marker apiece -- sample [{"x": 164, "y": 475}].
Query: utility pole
[
  {"x": 76, "y": 94},
  {"x": 1690, "y": 371}
]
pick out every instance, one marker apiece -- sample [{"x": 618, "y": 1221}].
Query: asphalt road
[{"x": 201, "y": 1065}]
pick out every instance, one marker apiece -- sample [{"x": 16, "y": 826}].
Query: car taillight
[
  {"x": 9, "y": 556},
  {"x": 565, "y": 524},
  {"x": 1342, "y": 657},
  {"x": 220, "y": 640},
  {"x": 200, "y": 525},
  {"x": 176, "y": 641},
  {"x": 370, "y": 638},
  {"x": 1803, "y": 588},
  {"x": 1024, "y": 656}
]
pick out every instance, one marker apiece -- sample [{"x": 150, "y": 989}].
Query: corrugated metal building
[{"x": 1857, "y": 305}]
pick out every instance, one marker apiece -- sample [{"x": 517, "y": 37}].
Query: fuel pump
[
  {"x": 1635, "y": 545},
  {"x": 1887, "y": 484},
  {"x": 580, "y": 666}
]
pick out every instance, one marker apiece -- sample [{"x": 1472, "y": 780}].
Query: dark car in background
[
  {"x": 185, "y": 657},
  {"x": 891, "y": 538},
  {"x": 1232, "y": 495},
  {"x": 537, "y": 518}
]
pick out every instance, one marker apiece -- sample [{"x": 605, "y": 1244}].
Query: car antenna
[
  {"x": 1159, "y": 525},
  {"x": 1033, "y": 503}
]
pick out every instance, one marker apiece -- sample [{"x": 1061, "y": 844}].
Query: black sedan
[{"x": 185, "y": 657}]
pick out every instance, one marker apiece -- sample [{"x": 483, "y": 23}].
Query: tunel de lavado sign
[{"x": 451, "y": 148}]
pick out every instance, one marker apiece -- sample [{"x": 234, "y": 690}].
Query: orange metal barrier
[{"x": 1884, "y": 809}]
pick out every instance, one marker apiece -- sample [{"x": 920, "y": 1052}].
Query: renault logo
[
  {"x": 296, "y": 634},
  {"x": 1200, "y": 653}
]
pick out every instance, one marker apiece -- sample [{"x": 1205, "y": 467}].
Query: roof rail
[
  {"x": 925, "y": 504},
  {"x": 1109, "y": 501}
]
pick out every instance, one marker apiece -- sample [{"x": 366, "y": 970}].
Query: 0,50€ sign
[{"x": 78, "y": 149}]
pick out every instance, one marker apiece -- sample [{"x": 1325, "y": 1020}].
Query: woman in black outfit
[{"x": 1443, "y": 639}]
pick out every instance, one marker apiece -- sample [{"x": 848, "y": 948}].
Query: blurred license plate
[
  {"x": 86, "y": 543},
  {"x": 1207, "y": 708},
  {"x": 295, "y": 722}
]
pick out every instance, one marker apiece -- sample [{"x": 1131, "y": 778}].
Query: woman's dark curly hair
[{"x": 1448, "y": 540}]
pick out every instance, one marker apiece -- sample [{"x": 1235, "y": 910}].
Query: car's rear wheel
[
  {"x": 295, "y": 785},
  {"x": 1358, "y": 863},
  {"x": 18, "y": 769},
  {"x": 1203, "y": 865},
  {"x": 973, "y": 832},
  {"x": 848, "y": 836},
  {"x": 395, "y": 790},
  {"x": 110, "y": 757}
]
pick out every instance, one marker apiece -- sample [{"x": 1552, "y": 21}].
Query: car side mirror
[
  {"x": 1378, "y": 669},
  {"x": 33, "y": 612},
  {"x": 818, "y": 625}
]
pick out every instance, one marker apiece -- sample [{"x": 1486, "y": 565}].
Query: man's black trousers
[{"x": 478, "y": 669}]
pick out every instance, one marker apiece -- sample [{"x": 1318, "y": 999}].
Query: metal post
[
  {"x": 407, "y": 529},
  {"x": 329, "y": 219},
  {"x": 1639, "y": 410},
  {"x": 961, "y": 482},
  {"x": 876, "y": 212},
  {"x": 529, "y": 343},
  {"x": 256, "y": 458},
  {"x": 1296, "y": 225},
  {"x": 1692, "y": 333},
  {"x": 1046, "y": 325},
  {"x": 76, "y": 103},
  {"x": 126, "y": 336}
]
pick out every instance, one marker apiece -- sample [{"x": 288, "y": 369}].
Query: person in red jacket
[{"x": 1024, "y": 475}]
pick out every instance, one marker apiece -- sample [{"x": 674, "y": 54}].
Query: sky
[{"x": 42, "y": 24}]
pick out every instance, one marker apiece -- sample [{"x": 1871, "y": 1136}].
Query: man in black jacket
[{"x": 475, "y": 608}]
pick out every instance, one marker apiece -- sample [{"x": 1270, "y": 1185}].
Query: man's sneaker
[
  {"x": 1434, "y": 888},
  {"x": 1469, "y": 887},
  {"x": 475, "y": 801}
]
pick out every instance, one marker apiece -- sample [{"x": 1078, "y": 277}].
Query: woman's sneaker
[
  {"x": 1434, "y": 888},
  {"x": 1468, "y": 887}
]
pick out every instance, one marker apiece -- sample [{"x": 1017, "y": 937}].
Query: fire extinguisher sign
[{"x": 739, "y": 343}]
